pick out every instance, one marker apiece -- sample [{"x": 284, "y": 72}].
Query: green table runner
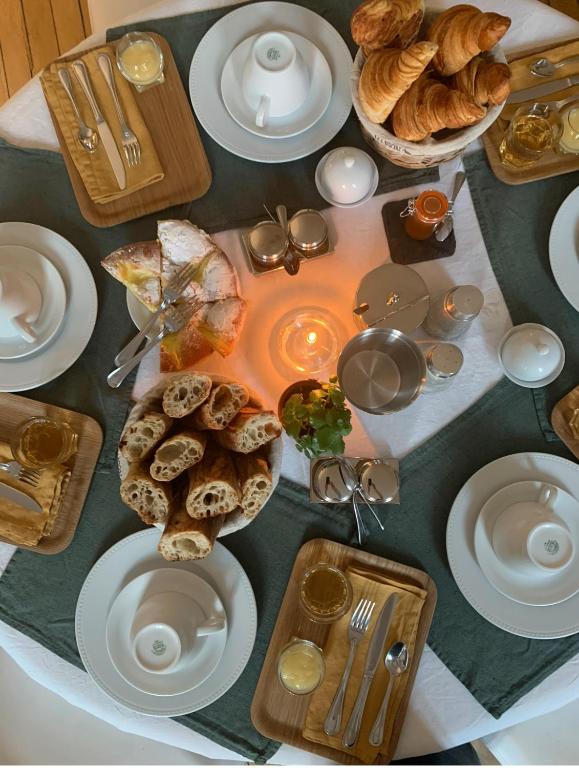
[{"x": 240, "y": 187}]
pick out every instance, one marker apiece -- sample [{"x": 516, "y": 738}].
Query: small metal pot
[
  {"x": 308, "y": 231},
  {"x": 267, "y": 243},
  {"x": 381, "y": 370}
]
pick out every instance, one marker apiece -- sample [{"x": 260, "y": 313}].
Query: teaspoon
[
  {"x": 396, "y": 663},
  {"x": 445, "y": 227},
  {"x": 291, "y": 261},
  {"x": 546, "y": 67},
  {"x": 87, "y": 138}
]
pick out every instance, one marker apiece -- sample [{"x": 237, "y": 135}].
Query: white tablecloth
[{"x": 442, "y": 712}]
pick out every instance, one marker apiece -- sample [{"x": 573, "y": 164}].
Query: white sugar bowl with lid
[
  {"x": 531, "y": 355},
  {"x": 347, "y": 177}
]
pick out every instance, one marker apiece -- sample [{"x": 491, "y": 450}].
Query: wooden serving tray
[
  {"x": 280, "y": 715},
  {"x": 168, "y": 116},
  {"x": 15, "y": 410},
  {"x": 551, "y": 164},
  {"x": 560, "y": 416}
]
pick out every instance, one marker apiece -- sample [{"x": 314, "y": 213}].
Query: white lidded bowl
[
  {"x": 430, "y": 151},
  {"x": 531, "y": 355},
  {"x": 347, "y": 177}
]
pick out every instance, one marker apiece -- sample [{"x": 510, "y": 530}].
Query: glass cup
[
  {"x": 41, "y": 442},
  {"x": 532, "y": 131},
  {"x": 325, "y": 594},
  {"x": 301, "y": 667},
  {"x": 569, "y": 141},
  {"x": 140, "y": 60}
]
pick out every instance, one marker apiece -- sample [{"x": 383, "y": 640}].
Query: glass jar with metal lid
[
  {"x": 452, "y": 312},
  {"x": 443, "y": 363},
  {"x": 423, "y": 213}
]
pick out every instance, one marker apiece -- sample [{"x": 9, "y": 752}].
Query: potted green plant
[{"x": 314, "y": 414}]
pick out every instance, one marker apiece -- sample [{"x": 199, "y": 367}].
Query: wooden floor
[{"x": 34, "y": 32}]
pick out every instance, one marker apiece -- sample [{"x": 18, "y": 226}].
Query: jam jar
[{"x": 423, "y": 213}]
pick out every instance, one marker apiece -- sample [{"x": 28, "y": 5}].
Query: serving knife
[
  {"x": 373, "y": 659},
  {"x": 538, "y": 91},
  {"x": 18, "y": 497},
  {"x": 107, "y": 139}
]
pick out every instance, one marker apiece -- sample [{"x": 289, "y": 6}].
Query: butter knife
[
  {"x": 107, "y": 139},
  {"x": 18, "y": 497},
  {"x": 373, "y": 659},
  {"x": 538, "y": 91}
]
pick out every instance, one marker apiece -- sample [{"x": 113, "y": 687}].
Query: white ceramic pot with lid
[
  {"x": 531, "y": 355},
  {"x": 347, "y": 177}
]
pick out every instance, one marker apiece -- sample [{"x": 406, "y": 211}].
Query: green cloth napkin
[{"x": 240, "y": 187}]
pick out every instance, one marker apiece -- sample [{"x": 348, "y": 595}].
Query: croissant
[
  {"x": 429, "y": 106},
  {"x": 461, "y": 33},
  {"x": 483, "y": 81},
  {"x": 387, "y": 74},
  {"x": 376, "y": 24}
]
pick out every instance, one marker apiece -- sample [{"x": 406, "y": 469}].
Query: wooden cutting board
[
  {"x": 15, "y": 410},
  {"x": 551, "y": 164},
  {"x": 168, "y": 116},
  {"x": 280, "y": 715},
  {"x": 560, "y": 416}
]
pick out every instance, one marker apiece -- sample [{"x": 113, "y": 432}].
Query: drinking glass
[
  {"x": 532, "y": 131},
  {"x": 41, "y": 442}
]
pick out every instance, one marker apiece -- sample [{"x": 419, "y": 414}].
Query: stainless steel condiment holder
[
  {"x": 264, "y": 269},
  {"x": 361, "y": 467}
]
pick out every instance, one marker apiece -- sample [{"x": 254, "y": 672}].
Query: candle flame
[{"x": 311, "y": 337}]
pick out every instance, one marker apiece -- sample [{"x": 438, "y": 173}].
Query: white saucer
[
  {"x": 278, "y": 127},
  {"x": 539, "y": 622},
  {"x": 529, "y": 585},
  {"x": 211, "y": 55},
  {"x": 47, "y": 364},
  {"x": 200, "y": 602},
  {"x": 564, "y": 248},
  {"x": 131, "y": 557},
  {"x": 47, "y": 277}
]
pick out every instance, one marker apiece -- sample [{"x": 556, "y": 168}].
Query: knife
[
  {"x": 107, "y": 139},
  {"x": 18, "y": 497},
  {"x": 538, "y": 91},
  {"x": 373, "y": 658}
]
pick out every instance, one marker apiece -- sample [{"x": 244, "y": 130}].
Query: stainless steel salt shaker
[
  {"x": 443, "y": 363},
  {"x": 451, "y": 312}
]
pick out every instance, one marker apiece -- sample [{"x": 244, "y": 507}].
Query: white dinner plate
[
  {"x": 122, "y": 563},
  {"x": 210, "y": 58},
  {"x": 564, "y": 248},
  {"x": 48, "y": 279},
  {"x": 539, "y": 622},
  {"x": 297, "y": 122},
  {"x": 78, "y": 324},
  {"x": 201, "y": 656},
  {"x": 529, "y": 585}
]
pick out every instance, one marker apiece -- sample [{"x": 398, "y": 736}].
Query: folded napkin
[
  {"x": 95, "y": 169},
  {"x": 21, "y": 526},
  {"x": 404, "y": 626}
]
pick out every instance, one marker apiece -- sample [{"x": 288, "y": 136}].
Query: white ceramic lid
[
  {"x": 348, "y": 174},
  {"x": 531, "y": 353}
]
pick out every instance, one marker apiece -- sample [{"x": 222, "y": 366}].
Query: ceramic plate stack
[
  {"x": 44, "y": 324},
  {"x": 515, "y": 558},
  {"x": 226, "y": 101},
  {"x": 141, "y": 623}
]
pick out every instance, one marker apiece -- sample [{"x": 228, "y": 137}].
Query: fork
[
  {"x": 171, "y": 293},
  {"x": 176, "y": 319},
  {"x": 15, "y": 469},
  {"x": 130, "y": 142},
  {"x": 359, "y": 624}
]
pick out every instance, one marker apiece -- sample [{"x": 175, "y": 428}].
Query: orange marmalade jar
[{"x": 423, "y": 213}]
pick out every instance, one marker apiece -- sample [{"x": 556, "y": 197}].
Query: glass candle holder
[
  {"x": 140, "y": 60},
  {"x": 308, "y": 340},
  {"x": 42, "y": 442}
]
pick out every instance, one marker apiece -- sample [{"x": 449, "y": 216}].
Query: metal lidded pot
[
  {"x": 381, "y": 370},
  {"x": 308, "y": 231},
  {"x": 391, "y": 296},
  {"x": 267, "y": 243}
]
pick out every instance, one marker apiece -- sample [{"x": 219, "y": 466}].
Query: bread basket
[
  {"x": 151, "y": 400},
  {"x": 430, "y": 151}
]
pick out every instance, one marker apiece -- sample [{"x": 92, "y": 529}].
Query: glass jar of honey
[
  {"x": 423, "y": 213},
  {"x": 42, "y": 442},
  {"x": 325, "y": 594},
  {"x": 300, "y": 666}
]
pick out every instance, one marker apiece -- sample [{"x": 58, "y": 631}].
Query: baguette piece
[
  {"x": 255, "y": 482},
  {"x": 138, "y": 440},
  {"x": 185, "y": 393},
  {"x": 185, "y": 538},
  {"x": 213, "y": 485},
  {"x": 151, "y": 500},
  {"x": 249, "y": 430},
  {"x": 224, "y": 402},
  {"x": 176, "y": 454}
]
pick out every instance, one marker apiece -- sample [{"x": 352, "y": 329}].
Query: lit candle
[{"x": 308, "y": 342}]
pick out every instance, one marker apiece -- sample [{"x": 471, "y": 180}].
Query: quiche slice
[{"x": 138, "y": 267}]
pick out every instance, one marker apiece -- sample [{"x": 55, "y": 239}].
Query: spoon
[
  {"x": 396, "y": 663},
  {"x": 86, "y": 136},
  {"x": 291, "y": 261},
  {"x": 352, "y": 482},
  {"x": 443, "y": 229},
  {"x": 546, "y": 67}
]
